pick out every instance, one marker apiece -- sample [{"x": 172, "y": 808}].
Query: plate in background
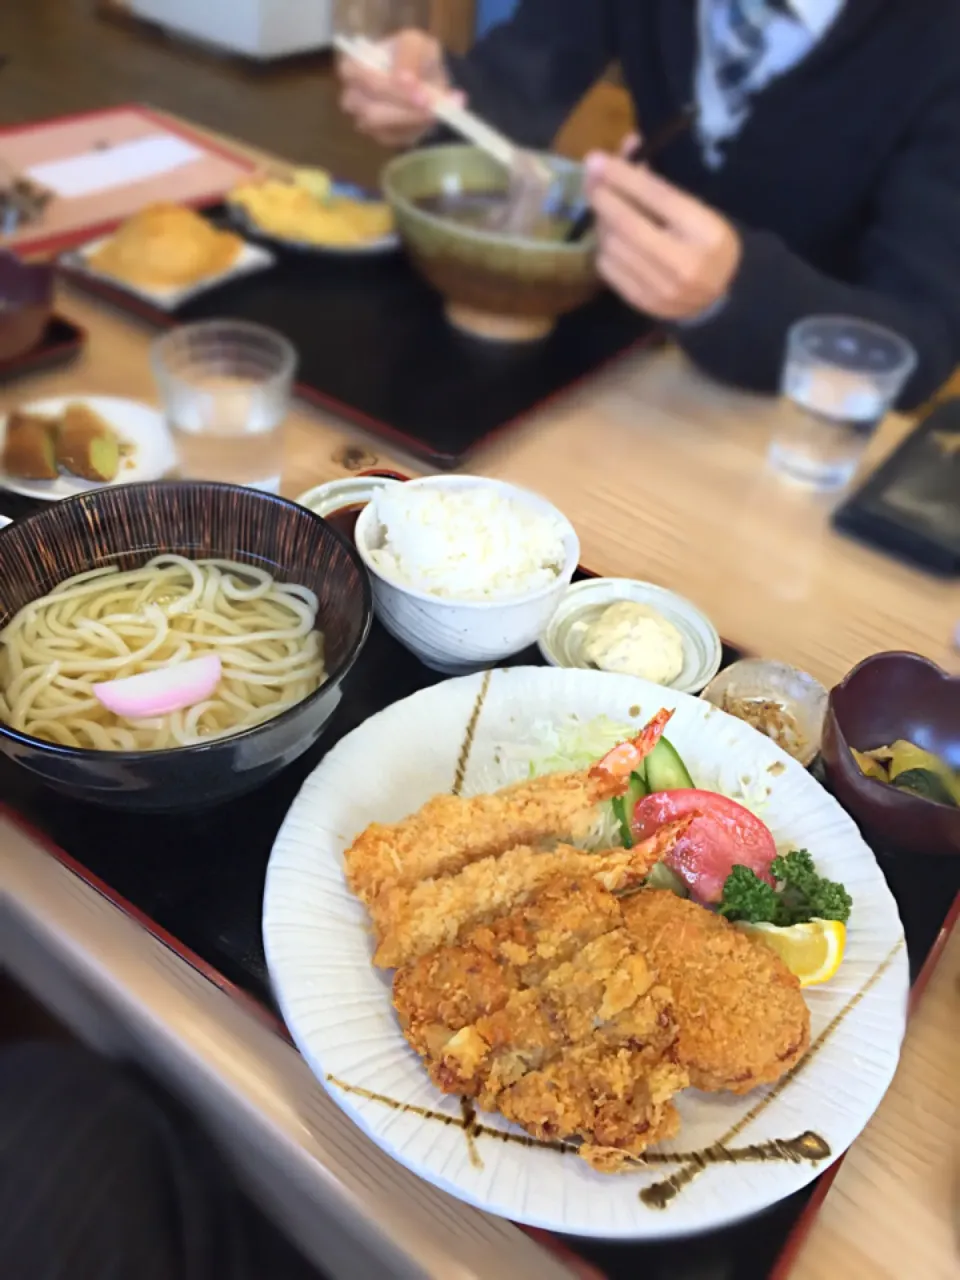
[
  {"x": 347, "y": 190},
  {"x": 137, "y": 425},
  {"x": 253, "y": 258}
]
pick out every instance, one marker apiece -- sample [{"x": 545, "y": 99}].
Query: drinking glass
[
  {"x": 379, "y": 19},
  {"x": 225, "y": 388},
  {"x": 840, "y": 379}
]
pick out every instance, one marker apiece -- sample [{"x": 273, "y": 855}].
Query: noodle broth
[{"x": 110, "y": 623}]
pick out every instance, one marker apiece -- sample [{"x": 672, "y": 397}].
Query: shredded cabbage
[
  {"x": 553, "y": 747},
  {"x": 572, "y": 744}
]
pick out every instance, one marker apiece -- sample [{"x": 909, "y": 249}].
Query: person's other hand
[
  {"x": 663, "y": 251},
  {"x": 395, "y": 108}
]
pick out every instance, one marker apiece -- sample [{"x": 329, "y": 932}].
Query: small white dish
[
  {"x": 137, "y": 425},
  {"x": 253, "y": 258},
  {"x": 562, "y": 642},
  {"x": 758, "y": 680},
  {"x": 461, "y": 636},
  {"x": 351, "y": 491}
]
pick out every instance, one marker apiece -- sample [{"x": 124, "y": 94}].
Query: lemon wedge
[{"x": 812, "y": 952}]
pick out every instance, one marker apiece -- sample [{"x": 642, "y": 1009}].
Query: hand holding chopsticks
[
  {"x": 446, "y": 107},
  {"x": 665, "y": 252}
]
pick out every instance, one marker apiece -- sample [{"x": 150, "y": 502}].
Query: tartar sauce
[{"x": 632, "y": 639}]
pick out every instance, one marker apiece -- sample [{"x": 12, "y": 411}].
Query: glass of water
[
  {"x": 225, "y": 388},
  {"x": 379, "y": 19},
  {"x": 841, "y": 377}
]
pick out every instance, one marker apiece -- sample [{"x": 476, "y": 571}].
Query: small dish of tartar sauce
[
  {"x": 633, "y": 628},
  {"x": 633, "y": 639}
]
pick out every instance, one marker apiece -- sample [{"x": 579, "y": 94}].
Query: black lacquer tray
[
  {"x": 196, "y": 882},
  {"x": 375, "y": 347}
]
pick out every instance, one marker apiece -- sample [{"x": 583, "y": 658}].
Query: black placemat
[
  {"x": 375, "y": 347},
  {"x": 200, "y": 879}
]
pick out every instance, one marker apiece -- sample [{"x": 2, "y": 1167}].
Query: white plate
[
  {"x": 135, "y": 423},
  {"x": 562, "y": 642},
  {"x": 338, "y": 1007},
  {"x": 253, "y": 257},
  {"x": 383, "y": 244}
]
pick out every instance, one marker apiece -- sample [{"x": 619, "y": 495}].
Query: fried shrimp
[
  {"x": 451, "y": 832},
  {"x": 409, "y": 922}
]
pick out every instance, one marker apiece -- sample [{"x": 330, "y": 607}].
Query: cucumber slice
[
  {"x": 665, "y": 771},
  {"x": 661, "y": 877},
  {"x": 623, "y": 806}
]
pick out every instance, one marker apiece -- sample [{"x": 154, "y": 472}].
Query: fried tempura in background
[
  {"x": 450, "y": 832},
  {"x": 742, "y": 1018}
]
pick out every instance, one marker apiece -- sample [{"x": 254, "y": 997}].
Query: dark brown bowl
[
  {"x": 888, "y": 697},
  {"x": 26, "y": 304},
  {"x": 129, "y": 524}
]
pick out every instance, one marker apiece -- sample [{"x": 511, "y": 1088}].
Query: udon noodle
[{"x": 107, "y": 624}]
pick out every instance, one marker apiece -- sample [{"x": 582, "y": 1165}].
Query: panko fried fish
[
  {"x": 451, "y": 832},
  {"x": 741, "y": 1015}
]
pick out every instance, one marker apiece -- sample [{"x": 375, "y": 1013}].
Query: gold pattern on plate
[
  {"x": 463, "y": 759},
  {"x": 667, "y": 1191},
  {"x": 807, "y": 1146}
]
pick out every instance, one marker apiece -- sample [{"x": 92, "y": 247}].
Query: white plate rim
[{"x": 891, "y": 976}]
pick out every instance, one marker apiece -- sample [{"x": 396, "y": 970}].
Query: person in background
[{"x": 822, "y": 177}]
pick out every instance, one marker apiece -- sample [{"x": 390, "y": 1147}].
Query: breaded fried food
[
  {"x": 307, "y": 212},
  {"x": 613, "y": 1099},
  {"x": 568, "y": 1034},
  {"x": 409, "y": 922},
  {"x": 451, "y": 832},
  {"x": 742, "y": 1018},
  {"x": 450, "y": 988},
  {"x": 167, "y": 246}
]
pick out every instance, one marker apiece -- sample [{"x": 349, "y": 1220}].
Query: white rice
[{"x": 466, "y": 544}]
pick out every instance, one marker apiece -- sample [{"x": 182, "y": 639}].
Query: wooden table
[{"x": 662, "y": 473}]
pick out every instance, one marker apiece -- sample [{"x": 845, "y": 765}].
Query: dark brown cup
[{"x": 26, "y": 304}]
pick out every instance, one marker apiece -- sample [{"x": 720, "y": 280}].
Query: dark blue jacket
[{"x": 845, "y": 181}]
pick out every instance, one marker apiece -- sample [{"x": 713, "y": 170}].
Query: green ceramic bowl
[{"x": 495, "y": 285}]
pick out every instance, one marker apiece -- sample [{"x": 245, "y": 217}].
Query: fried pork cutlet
[
  {"x": 606, "y": 993},
  {"x": 409, "y": 922},
  {"x": 450, "y": 988},
  {"x": 451, "y": 832},
  {"x": 612, "y": 1098},
  {"x": 742, "y": 1018},
  {"x": 553, "y": 1016}
]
